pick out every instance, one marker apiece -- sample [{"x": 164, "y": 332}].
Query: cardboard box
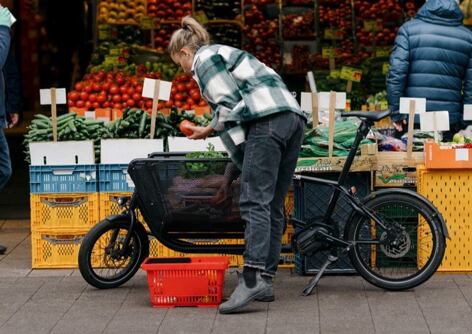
[
  {"x": 395, "y": 169},
  {"x": 446, "y": 157},
  {"x": 363, "y": 163}
]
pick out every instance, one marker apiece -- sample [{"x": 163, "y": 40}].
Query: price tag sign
[
  {"x": 333, "y": 34},
  {"x": 146, "y": 23},
  {"x": 385, "y": 68},
  {"x": 335, "y": 74},
  {"x": 201, "y": 17},
  {"x": 328, "y": 52},
  {"x": 351, "y": 74},
  {"x": 382, "y": 52}
]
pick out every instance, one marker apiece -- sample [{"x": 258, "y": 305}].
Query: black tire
[
  {"x": 96, "y": 258},
  {"x": 397, "y": 264}
]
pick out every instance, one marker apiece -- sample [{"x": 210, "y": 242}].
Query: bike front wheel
[
  {"x": 402, "y": 251},
  {"x": 104, "y": 261}
]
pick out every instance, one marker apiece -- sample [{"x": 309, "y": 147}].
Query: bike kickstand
[{"x": 314, "y": 281}]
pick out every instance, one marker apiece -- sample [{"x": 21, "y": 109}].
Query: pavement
[{"x": 59, "y": 301}]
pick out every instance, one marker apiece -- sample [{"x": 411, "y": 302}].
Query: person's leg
[
  {"x": 5, "y": 168},
  {"x": 262, "y": 155},
  {"x": 286, "y": 170},
  {"x": 266, "y": 142}
]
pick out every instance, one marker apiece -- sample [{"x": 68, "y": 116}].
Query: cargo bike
[{"x": 395, "y": 238}]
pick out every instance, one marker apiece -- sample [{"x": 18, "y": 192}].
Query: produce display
[
  {"x": 121, "y": 12},
  {"x": 227, "y": 34},
  {"x": 261, "y": 36},
  {"x": 217, "y": 9},
  {"x": 162, "y": 35},
  {"x": 168, "y": 10},
  {"x": 315, "y": 143},
  {"x": 135, "y": 123},
  {"x": 299, "y": 25},
  {"x": 185, "y": 94}
]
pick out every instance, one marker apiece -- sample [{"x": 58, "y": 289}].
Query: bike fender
[{"x": 436, "y": 214}]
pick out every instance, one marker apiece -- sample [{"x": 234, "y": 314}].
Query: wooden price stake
[
  {"x": 314, "y": 109},
  {"x": 53, "y": 97},
  {"x": 54, "y": 114},
  {"x": 332, "y": 109},
  {"x": 411, "y": 121},
  {"x": 155, "y": 102}
]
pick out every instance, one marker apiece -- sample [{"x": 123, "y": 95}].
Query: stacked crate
[{"x": 64, "y": 206}]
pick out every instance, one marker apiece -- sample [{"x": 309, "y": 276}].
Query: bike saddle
[{"x": 367, "y": 115}]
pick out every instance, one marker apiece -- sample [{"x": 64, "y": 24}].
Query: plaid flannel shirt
[{"x": 239, "y": 89}]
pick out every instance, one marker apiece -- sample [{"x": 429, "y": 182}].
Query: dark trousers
[
  {"x": 5, "y": 164},
  {"x": 270, "y": 157}
]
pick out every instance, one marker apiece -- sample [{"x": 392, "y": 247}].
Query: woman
[{"x": 261, "y": 125}]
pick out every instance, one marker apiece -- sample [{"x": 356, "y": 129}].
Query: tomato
[
  {"x": 88, "y": 105},
  {"x": 161, "y": 105},
  {"x": 178, "y": 104},
  {"x": 184, "y": 127},
  {"x": 130, "y": 91},
  {"x": 130, "y": 103},
  {"x": 114, "y": 90},
  {"x": 101, "y": 98},
  {"x": 71, "y": 103},
  {"x": 96, "y": 87},
  {"x": 136, "y": 97},
  {"x": 88, "y": 88},
  {"x": 202, "y": 103},
  {"x": 123, "y": 89},
  {"x": 96, "y": 105},
  {"x": 93, "y": 98},
  {"x": 189, "y": 86},
  {"x": 148, "y": 103},
  {"x": 117, "y": 106},
  {"x": 80, "y": 104},
  {"x": 106, "y": 86},
  {"x": 73, "y": 96},
  {"x": 125, "y": 97},
  {"x": 79, "y": 86},
  {"x": 138, "y": 88},
  {"x": 116, "y": 98},
  {"x": 84, "y": 96},
  {"x": 178, "y": 97},
  {"x": 181, "y": 88},
  {"x": 106, "y": 104},
  {"x": 168, "y": 104}
]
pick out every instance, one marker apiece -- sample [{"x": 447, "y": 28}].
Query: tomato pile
[
  {"x": 163, "y": 34},
  {"x": 185, "y": 94},
  {"x": 299, "y": 26},
  {"x": 110, "y": 90}
]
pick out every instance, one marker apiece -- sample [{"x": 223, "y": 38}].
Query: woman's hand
[
  {"x": 400, "y": 125},
  {"x": 200, "y": 132}
]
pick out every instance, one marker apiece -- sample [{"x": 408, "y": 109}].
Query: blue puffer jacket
[
  {"x": 4, "y": 48},
  {"x": 432, "y": 59}
]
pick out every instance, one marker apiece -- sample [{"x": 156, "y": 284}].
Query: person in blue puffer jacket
[{"x": 432, "y": 59}]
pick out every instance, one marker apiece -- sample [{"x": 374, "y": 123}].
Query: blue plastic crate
[
  {"x": 114, "y": 178},
  {"x": 63, "y": 179}
]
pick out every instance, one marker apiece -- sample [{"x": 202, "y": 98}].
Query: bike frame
[{"x": 338, "y": 185}]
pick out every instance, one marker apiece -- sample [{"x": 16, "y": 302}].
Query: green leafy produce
[
  {"x": 206, "y": 167},
  {"x": 316, "y": 143}
]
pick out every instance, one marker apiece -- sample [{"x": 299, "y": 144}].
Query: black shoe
[
  {"x": 3, "y": 249},
  {"x": 243, "y": 295},
  {"x": 269, "y": 295}
]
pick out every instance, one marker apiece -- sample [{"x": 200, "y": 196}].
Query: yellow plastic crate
[
  {"x": 63, "y": 211},
  {"x": 450, "y": 191},
  {"x": 55, "y": 250}
]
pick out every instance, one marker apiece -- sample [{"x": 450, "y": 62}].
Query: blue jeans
[
  {"x": 270, "y": 157},
  {"x": 5, "y": 164}
]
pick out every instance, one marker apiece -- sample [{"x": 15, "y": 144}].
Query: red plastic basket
[{"x": 195, "y": 281}]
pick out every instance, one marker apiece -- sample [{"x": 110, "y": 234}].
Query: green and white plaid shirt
[{"x": 239, "y": 89}]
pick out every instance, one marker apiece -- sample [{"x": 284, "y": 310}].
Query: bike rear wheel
[
  {"x": 102, "y": 262},
  {"x": 403, "y": 253}
]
